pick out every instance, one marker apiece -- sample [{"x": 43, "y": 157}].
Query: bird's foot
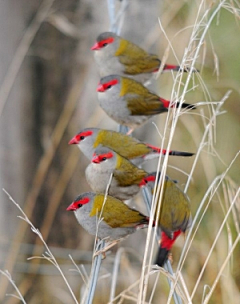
[
  {"x": 170, "y": 257},
  {"x": 105, "y": 249},
  {"x": 129, "y": 132}
]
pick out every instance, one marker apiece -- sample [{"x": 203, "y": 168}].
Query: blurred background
[{"x": 48, "y": 85}]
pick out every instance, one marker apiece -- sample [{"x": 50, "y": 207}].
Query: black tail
[
  {"x": 186, "y": 106},
  {"x": 167, "y": 104},
  {"x": 170, "y": 67},
  {"x": 180, "y": 153},
  {"x": 162, "y": 256},
  {"x": 165, "y": 246},
  {"x": 187, "y": 70},
  {"x": 171, "y": 152}
]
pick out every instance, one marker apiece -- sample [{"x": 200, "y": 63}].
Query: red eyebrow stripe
[
  {"x": 77, "y": 138},
  {"x": 102, "y": 87},
  {"x": 100, "y": 44},
  {"x": 85, "y": 133},
  {"x": 107, "y": 155},
  {"x": 75, "y": 205},
  {"x": 108, "y": 41},
  {"x": 98, "y": 158},
  {"x": 83, "y": 201},
  {"x": 110, "y": 83}
]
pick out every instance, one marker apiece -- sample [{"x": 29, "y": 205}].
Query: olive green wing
[
  {"x": 128, "y": 174},
  {"x": 135, "y": 59},
  {"x": 139, "y": 65},
  {"x": 145, "y": 105},
  {"x": 124, "y": 145},
  {"x": 118, "y": 215},
  {"x": 175, "y": 208},
  {"x": 140, "y": 101}
]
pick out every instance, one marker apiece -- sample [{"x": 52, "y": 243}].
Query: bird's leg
[
  {"x": 106, "y": 248},
  {"x": 129, "y": 132},
  {"x": 170, "y": 257}
]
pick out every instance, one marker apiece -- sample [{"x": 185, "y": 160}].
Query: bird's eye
[
  {"x": 82, "y": 137},
  {"x": 79, "y": 205},
  {"x": 109, "y": 86},
  {"x": 104, "y": 158},
  {"x": 104, "y": 44}
]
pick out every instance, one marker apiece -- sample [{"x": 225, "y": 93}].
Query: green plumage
[
  {"x": 126, "y": 173},
  {"x": 175, "y": 209},
  {"x": 115, "y": 213},
  {"x": 124, "y": 145},
  {"x": 135, "y": 59},
  {"x": 140, "y": 101}
]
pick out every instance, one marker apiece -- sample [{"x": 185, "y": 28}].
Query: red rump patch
[
  {"x": 142, "y": 183},
  {"x": 165, "y": 102},
  {"x": 166, "y": 242},
  {"x": 150, "y": 178},
  {"x": 170, "y": 67},
  {"x": 145, "y": 180},
  {"x": 76, "y": 204},
  {"x": 158, "y": 150},
  {"x": 102, "y": 87},
  {"x": 100, "y": 44}
]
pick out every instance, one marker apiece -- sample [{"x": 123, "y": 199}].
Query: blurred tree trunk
[
  {"x": 55, "y": 62},
  {"x": 31, "y": 113},
  {"x": 15, "y": 121}
]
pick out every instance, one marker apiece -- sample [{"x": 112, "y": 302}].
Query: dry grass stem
[
  {"x": 48, "y": 254},
  {"x": 9, "y": 277}
]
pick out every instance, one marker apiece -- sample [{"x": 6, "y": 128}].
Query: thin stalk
[
  {"x": 167, "y": 266},
  {"x": 8, "y": 276},
  {"x": 214, "y": 243},
  {"x": 115, "y": 273},
  {"x": 95, "y": 272},
  {"x": 48, "y": 256}
]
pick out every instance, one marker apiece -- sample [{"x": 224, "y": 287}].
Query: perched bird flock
[{"x": 115, "y": 157}]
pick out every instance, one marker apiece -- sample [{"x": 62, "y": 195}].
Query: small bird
[
  {"x": 113, "y": 54},
  {"x": 175, "y": 215},
  {"x": 129, "y": 147},
  {"x": 108, "y": 167},
  {"x": 108, "y": 218},
  {"x": 129, "y": 103}
]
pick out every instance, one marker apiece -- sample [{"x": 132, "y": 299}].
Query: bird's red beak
[
  {"x": 73, "y": 141},
  {"x": 71, "y": 207},
  {"x": 95, "y": 47},
  {"x": 100, "y": 88},
  {"x": 95, "y": 159}
]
